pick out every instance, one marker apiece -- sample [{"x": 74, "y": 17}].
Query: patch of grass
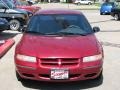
[
  {"x": 97, "y": 4},
  {"x": 42, "y": 3},
  {"x": 87, "y": 8}
]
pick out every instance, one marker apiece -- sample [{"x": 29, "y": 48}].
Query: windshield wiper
[
  {"x": 70, "y": 33},
  {"x": 34, "y": 32},
  {"x": 64, "y": 33},
  {"x": 73, "y": 26}
]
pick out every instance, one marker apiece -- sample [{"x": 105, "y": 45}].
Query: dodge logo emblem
[{"x": 59, "y": 62}]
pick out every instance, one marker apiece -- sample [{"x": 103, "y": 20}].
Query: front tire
[
  {"x": 79, "y": 3},
  {"x": 18, "y": 76},
  {"x": 101, "y": 13},
  {"x": 14, "y": 24},
  {"x": 89, "y": 3},
  {"x": 116, "y": 17},
  {"x": 100, "y": 76}
]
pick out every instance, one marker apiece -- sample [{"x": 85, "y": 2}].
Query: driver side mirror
[{"x": 96, "y": 29}]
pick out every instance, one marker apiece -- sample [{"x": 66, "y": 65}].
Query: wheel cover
[
  {"x": 116, "y": 17},
  {"x": 89, "y": 3},
  {"x": 14, "y": 24},
  {"x": 79, "y": 3}
]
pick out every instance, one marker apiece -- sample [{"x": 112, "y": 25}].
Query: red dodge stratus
[{"x": 59, "y": 45}]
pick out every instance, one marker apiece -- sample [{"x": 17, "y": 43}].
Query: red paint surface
[{"x": 6, "y": 46}]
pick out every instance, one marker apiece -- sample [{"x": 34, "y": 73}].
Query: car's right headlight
[{"x": 26, "y": 58}]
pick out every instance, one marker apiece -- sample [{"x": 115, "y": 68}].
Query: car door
[{"x": 84, "y": 2}]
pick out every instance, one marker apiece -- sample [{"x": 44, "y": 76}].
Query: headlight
[
  {"x": 92, "y": 58},
  {"x": 25, "y": 16},
  {"x": 26, "y": 58}
]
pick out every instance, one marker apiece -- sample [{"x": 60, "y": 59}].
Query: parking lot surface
[{"x": 109, "y": 37}]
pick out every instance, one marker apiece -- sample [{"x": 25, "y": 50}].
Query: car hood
[
  {"x": 52, "y": 46},
  {"x": 23, "y": 6},
  {"x": 30, "y": 8}
]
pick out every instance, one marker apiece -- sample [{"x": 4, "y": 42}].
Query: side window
[{"x": 2, "y": 6}]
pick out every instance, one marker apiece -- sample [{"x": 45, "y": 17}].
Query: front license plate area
[{"x": 59, "y": 74}]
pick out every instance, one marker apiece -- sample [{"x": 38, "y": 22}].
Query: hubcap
[
  {"x": 14, "y": 24},
  {"x": 116, "y": 17}
]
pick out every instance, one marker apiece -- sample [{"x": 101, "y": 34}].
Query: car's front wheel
[
  {"x": 101, "y": 13},
  {"x": 14, "y": 24},
  {"x": 79, "y": 3},
  {"x": 89, "y": 3},
  {"x": 99, "y": 76},
  {"x": 116, "y": 17},
  {"x": 18, "y": 76}
]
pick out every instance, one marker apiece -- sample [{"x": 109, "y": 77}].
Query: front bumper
[{"x": 76, "y": 73}]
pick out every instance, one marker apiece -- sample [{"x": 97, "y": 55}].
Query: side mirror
[{"x": 96, "y": 29}]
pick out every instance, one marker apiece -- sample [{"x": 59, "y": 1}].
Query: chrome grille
[{"x": 59, "y": 61}]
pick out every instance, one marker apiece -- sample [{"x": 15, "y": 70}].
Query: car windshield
[
  {"x": 8, "y": 3},
  {"x": 59, "y": 25},
  {"x": 20, "y": 3},
  {"x": 108, "y": 4},
  {"x": 16, "y": 2}
]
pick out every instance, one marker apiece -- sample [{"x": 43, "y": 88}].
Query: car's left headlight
[
  {"x": 93, "y": 58},
  {"x": 25, "y": 58}
]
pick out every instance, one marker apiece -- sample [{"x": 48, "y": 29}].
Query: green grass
[
  {"x": 97, "y": 4},
  {"x": 42, "y": 3}
]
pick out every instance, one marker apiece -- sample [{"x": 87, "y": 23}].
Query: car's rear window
[
  {"x": 54, "y": 23},
  {"x": 108, "y": 4}
]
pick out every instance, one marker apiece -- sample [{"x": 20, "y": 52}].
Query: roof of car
[
  {"x": 108, "y": 3},
  {"x": 57, "y": 11}
]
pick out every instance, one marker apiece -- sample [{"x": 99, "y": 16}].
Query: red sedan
[{"x": 59, "y": 45}]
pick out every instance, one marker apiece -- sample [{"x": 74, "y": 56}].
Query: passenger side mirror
[{"x": 96, "y": 29}]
